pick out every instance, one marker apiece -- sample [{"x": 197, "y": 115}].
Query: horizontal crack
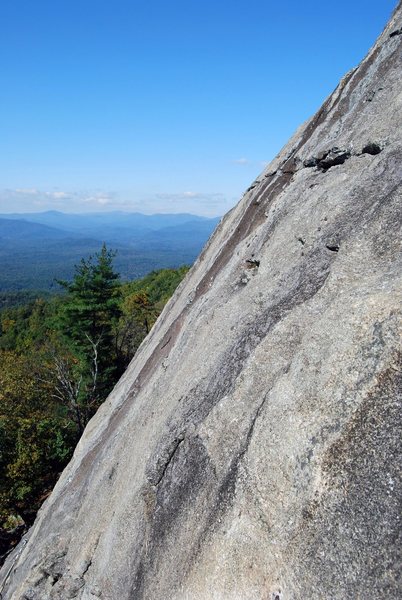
[
  {"x": 337, "y": 156},
  {"x": 333, "y": 247}
]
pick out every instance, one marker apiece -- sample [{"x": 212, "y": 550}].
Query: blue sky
[{"x": 165, "y": 105}]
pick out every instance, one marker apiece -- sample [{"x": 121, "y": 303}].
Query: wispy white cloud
[
  {"x": 26, "y": 191},
  {"x": 58, "y": 195},
  {"x": 98, "y": 199},
  {"x": 180, "y": 196},
  {"x": 194, "y": 201},
  {"x": 33, "y": 199},
  {"x": 242, "y": 161},
  {"x": 246, "y": 162}
]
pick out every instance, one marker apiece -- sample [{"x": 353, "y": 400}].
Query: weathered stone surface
[{"x": 252, "y": 449}]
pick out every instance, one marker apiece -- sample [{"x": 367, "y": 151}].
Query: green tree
[{"x": 88, "y": 322}]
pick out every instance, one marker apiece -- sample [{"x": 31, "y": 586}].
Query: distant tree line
[{"x": 59, "y": 359}]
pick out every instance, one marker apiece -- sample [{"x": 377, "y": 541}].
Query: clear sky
[{"x": 163, "y": 105}]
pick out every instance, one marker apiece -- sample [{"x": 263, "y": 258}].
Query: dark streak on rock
[
  {"x": 166, "y": 343},
  {"x": 185, "y": 479},
  {"x": 361, "y": 472}
]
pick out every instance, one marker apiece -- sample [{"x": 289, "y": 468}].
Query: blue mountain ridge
[{"x": 36, "y": 248}]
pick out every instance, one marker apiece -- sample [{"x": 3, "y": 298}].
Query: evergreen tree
[{"x": 89, "y": 318}]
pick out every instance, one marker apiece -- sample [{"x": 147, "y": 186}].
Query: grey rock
[{"x": 252, "y": 450}]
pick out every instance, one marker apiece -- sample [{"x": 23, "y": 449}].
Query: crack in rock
[
  {"x": 328, "y": 159},
  {"x": 337, "y": 156},
  {"x": 165, "y": 460}
]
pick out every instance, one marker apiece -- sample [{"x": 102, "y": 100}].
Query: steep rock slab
[{"x": 252, "y": 450}]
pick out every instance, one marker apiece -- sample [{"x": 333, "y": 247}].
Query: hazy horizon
[
  {"x": 37, "y": 201},
  {"x": 105, "y": 212}
]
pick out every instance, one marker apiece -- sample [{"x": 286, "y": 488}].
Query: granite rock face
[{"x": 252, "y": 449}]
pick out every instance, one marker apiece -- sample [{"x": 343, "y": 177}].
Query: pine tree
[{"x": 88, "y": 322}]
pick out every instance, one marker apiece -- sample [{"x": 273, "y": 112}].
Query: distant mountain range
[{"x": 36, "y": 248}]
